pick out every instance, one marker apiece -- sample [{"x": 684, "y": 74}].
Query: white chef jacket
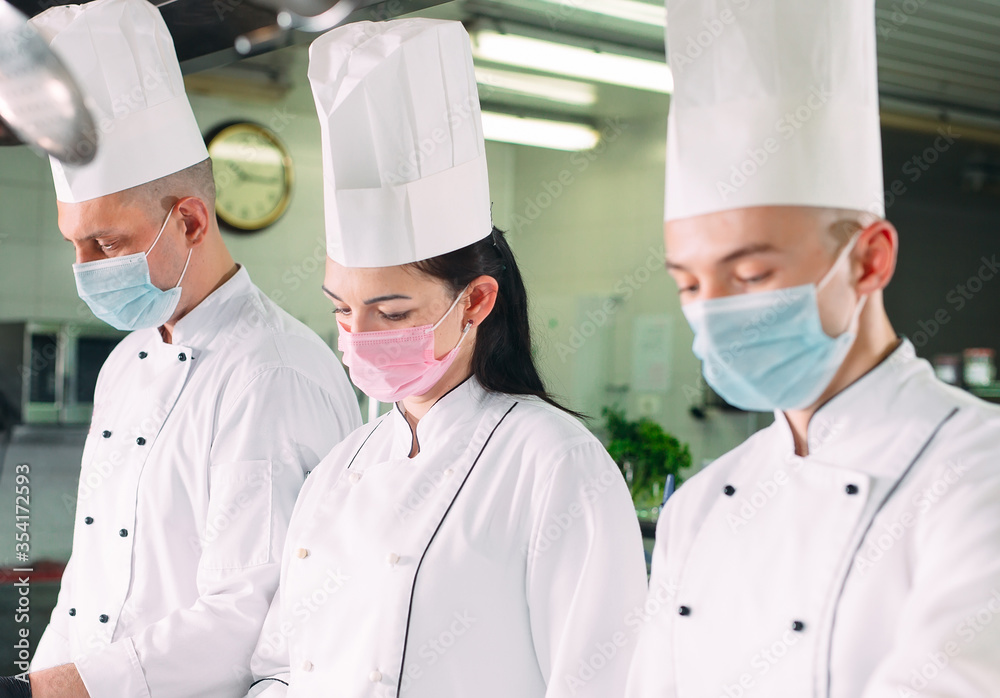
[
  {"x": 196, "y": 452},
  {"x": 500, "y": 562},
  {"x": 868, "y": 569}
]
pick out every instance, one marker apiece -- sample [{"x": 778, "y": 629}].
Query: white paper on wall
[{"x": 651, "y": 353}]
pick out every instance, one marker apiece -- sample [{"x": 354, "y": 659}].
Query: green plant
[{"x": 645, "y": 453}]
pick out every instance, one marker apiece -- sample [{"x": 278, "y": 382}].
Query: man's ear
[
  {"x": 875, "y": 253},
  {"x": 482, "y": 299},
  {"x": 197, "y": 218}
]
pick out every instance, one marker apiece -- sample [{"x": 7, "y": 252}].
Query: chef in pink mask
[{"x": 476, "y": 540}]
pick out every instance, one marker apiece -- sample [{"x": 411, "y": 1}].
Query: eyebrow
[
  {"x": 370, "y": 301},
  {"x": 756, "y": 248},
  {"x": 93, "y": 236}
]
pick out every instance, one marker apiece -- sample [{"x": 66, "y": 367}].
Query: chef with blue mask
[
  {"x": 207, "y": 416},
  {"x": 851, "y": 549}
]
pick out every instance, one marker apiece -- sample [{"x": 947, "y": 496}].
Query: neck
[
  {"x": 416, "y": 406},
  {"x": 876, "y": 340},
  {"x": 203, "y": 278}
]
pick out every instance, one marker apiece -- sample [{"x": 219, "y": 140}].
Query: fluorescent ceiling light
[
  {"x": 558, "y": 135},
  {"x": 563, "y": 59},
  {"x": 632, "y": 10},
  {"x": 540, "y": 86}
]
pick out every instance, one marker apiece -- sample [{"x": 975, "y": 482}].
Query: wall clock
[{"x": 253, "y": 176}]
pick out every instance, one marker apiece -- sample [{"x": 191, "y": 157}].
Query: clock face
[{"x": 253, "y": 176}]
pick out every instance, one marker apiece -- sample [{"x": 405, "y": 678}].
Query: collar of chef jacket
[
  {"x": 865, "y": 404},
  {"x": 202, "y": 323},
  {"x": 454, "y": 411}
]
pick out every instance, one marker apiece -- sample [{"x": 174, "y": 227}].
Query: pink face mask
[{"x": 390, "y": 365}]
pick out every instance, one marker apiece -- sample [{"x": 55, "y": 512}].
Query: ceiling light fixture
[
  {"x": 574, "y": 61},
  {"x": 582, "y": 94},
  {"x": 631, "y": 10},
  {"x": 542, "y": 133}
]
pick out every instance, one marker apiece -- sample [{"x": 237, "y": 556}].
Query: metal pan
[{"x": 40, "y": 104}]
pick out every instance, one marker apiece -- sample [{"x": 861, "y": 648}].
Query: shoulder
[
  {"x": 969, "y": 432},
  {"x": 967, "y": 444},
  {"x": 953, "y": 494},
  {"x": 263, "y": 337},
  {"x": 265, "y": 330},
  {"x": 553, "y": 448},
  {"x": 534, "y": 422},
  {"x": 970, "y": 411}
]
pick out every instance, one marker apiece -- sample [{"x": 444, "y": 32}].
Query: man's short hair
[
  {"x": 159, "y": 195},
  {"x": 847, "y": 222}
]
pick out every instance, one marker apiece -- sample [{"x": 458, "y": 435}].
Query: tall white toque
[
  {"x": 775, "y": 103},
  {"x": 404, "y": 160},
  {"x": 122, "y": 56}
]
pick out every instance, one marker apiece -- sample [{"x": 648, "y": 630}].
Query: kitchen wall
[
  {"x": 587, "y": 231},
  {"x": 946, "y": 292}
]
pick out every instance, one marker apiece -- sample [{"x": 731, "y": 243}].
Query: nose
[
  {"x": 362, "y": 324},
  {"x": 713, "y": 288},
  {"x": 350, "y": 324},
  {"x": 86, "y": 253}
]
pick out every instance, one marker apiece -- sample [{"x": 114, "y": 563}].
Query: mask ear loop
[
  {"x": 852, "y": 326},
  {"x": 162, "y": 228},
  {"x": 465, "y": 329},
  {"x": 159, "y": 234},
  {"x": 844, "y": 254},
  {"x": 454, "y": 303},
  {"x": 856, "y": 318},
  {"x": 184, "y": 271}
]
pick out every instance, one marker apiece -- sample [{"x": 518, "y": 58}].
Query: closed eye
[
  {"x": 390, "y": 317},
  {"x": 756, "y": 279}
]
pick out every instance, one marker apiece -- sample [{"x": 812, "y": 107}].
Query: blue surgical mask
[
  {"x": 767, "y": 350},
  {"x": 119, "y": 291}
]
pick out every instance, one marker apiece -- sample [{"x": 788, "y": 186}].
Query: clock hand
[
  {"x": 239, "y": 173},
  {"x": 262, "y": 180}
]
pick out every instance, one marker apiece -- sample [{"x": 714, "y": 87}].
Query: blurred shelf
[{"x": 986, "y": 392}]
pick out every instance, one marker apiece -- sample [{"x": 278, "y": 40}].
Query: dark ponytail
[{"x": 502, "y": 359}]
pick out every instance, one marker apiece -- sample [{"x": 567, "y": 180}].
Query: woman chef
[{"x": 477, "y": 540}]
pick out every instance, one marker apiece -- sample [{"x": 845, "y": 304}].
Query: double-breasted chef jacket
[
  {"x": 502, "y": 560},
  {"x": 868, "y": 569},
  {"x": 196, "y": 452}
]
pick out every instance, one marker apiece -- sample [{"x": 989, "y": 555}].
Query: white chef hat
[
  {"x": 775, "y": 103},
  {"x": 122, "y": 56},
  {"x": 404, "y": 162}
]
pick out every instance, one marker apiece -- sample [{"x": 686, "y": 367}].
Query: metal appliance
[{"x": 48, "y": 371}]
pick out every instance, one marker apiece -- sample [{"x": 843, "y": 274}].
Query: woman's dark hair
[{"x": 501, "y": 360}]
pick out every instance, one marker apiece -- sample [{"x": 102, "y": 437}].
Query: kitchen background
[{"x": 586, "y": 225}]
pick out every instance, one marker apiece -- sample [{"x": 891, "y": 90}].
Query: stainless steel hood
[
  {"x": 205, "y": 31},
  {"x": 939, "y": 60}
]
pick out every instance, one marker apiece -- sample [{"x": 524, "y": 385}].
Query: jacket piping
[
  {"x": 409, "y": 611},
  {"x": 861, "y": 540}
]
